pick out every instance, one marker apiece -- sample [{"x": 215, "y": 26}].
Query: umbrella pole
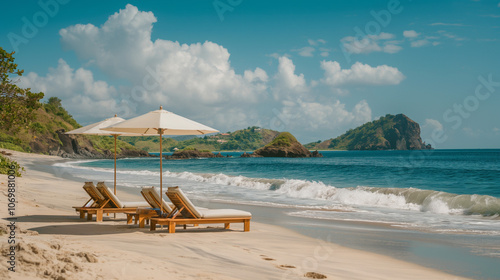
[
  {"x": 115, "y": 136},
  {"x": 161, "y": 173}
]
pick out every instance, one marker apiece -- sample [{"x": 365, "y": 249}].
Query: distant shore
[{"x": 51, "y": 233}]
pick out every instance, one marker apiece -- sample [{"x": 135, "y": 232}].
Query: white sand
[{"x": 56, "y": 244}]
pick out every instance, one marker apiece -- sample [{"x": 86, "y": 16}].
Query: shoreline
[{"x": 44, "y": 210}]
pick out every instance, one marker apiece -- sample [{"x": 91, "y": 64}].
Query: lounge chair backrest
[
  {"x": 180, "y": 200},
  {"x": 108, "y": 194},
  {"x": 153, "y": 198},
  {"x": 97, "y": 200},
  {"x": 96, "y": 196}
]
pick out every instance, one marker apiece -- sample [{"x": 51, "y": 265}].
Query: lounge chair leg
[
  {"x": 98, "y": 216},
  {"x": 141, "y": 222},
  {"x": 129, "y": 219},
  {"x": 82, "y": 215},
  {"x": 171, "y": 227},
  {"x": 89, "y": 217},
  {"x": 152, "y": 226},
  {"x": 185, "y": 226},
  {"x": 246, "y": 225},
  {"x": 226, "y": 226}
]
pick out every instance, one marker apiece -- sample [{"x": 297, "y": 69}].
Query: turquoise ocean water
[
  {"x": 441, "y": 192},
  {"x": 416, "y": 189}
]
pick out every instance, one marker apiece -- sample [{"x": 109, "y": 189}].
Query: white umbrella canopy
[
  {"x": 95, "y": 129},
  {"x": 169, "y": 123},
  {"x": 161, "y": 122}
]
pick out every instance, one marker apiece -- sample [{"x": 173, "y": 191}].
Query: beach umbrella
[
  {"x": 95, "y": 129},
  {"x": 160, "y": 122}
]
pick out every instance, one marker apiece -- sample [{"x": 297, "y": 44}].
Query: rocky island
[
  {"x": 285, "y": 145},
  {"x": 387, "y": 133},
  {"x": 193, "y": 153}
]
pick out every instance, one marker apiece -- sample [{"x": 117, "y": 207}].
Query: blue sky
[{"x": 314, "y": 68}]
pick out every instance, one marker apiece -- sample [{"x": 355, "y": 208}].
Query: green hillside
[
  {"x": 45, "y": 134},
  {"x": 248, "y": 139},
  {"x": 284, "y": 139}
]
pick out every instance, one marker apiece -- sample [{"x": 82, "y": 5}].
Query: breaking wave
[{"x": 399, "y": 198}]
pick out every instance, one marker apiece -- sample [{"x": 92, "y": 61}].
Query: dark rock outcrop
[
  {"x": 187, "y": 154},
  {"x": 316, "y": 154},
  {"x": 404, "y": 135},
  {"x": 77, "y": 146},
  {"x": 284, "y": 145},
  {"x": 245, "y": 154}
]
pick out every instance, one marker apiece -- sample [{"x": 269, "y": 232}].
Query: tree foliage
[
  {"x": 54, "y": 106},
  {"x": 6, "y": 165},
  {"x": 16, "y": 104}
]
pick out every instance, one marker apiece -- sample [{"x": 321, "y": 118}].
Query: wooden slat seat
[{"x": 185, "y": 212}]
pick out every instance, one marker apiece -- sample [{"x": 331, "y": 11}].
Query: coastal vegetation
[
  {"x": 29, "y": 125},
  {"x": 248, "y": 139},
  {"x": 7, "y": 164},
  {"x": 284, "y": 139},
  {"x": 45, "y": 134},
  {"x": 16, "y": 104}
]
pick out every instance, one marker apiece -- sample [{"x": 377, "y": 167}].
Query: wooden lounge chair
[
  {"x": 144, "y": 215},
  {"x": 153, "y": 198},
  {"x": 111, "y": 204},
  {"x": 96, "y": 199},
  {"x": 194, "y": 215}
]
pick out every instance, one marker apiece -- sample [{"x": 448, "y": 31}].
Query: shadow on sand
[
  {"x": 88, "y": 229},
  {"x": 60, "y": 219},
  {"x": 76, "y": 226}
]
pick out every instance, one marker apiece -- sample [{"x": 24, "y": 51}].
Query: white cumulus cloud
[
  {"x": 287, "y": 82},
  {"x": 198, "y": 81},
  {"x": 410, "y": 34},
  {"x": 420, "y": 43},
  {"x": 429, "y": 129},
  {"x": 316, "y": 42},
  {"x": 433, "y": 124},
  {"x": 360, "y": 74},
  {"x": 332, "y": 117},
  {"x": 80, "y": 93},
  {"x": 188, "y": 77},
  {"x": 370, "y": 43},
  {"x": 306, "y": 51}
]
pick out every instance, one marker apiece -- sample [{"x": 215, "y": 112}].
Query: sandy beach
[{"x": 55, "y": 244}]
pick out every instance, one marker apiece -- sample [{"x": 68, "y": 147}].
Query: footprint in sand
[
  {"x": 284, "y": 266},
  {"x": 264, "y": 257},
  {"x": 315, "y": 275},
  {"x": 287, "y": 266}
]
